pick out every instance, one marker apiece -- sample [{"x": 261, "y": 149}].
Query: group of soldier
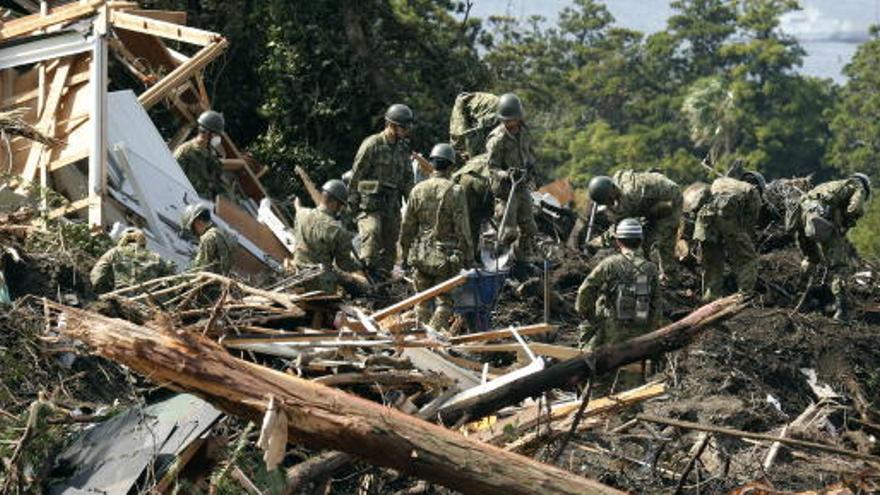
[{"x": 438, "y": 233}]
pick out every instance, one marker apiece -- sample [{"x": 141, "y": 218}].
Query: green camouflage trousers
[
  {"x": 379, "y": 231},
  {"x": 732, "y": 243}
]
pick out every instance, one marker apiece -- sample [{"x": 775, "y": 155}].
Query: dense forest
[{"x": 304, "y": 82}]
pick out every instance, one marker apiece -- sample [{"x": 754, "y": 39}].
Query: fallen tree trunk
[
  {"x": 603, "y": 359},
  {"x": 319, "y": 416}
]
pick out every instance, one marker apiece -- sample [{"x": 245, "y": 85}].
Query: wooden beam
[
  {"x": 182, "y": 73},
  {"x": 319, "y": 416},
  {"x": 35, "y": 22},
  {"x": 172, "y": 16},
  {"x": 77, "y": 205},
  {"x": 504, "y": 333},
  {"x": 68, "y": 160},
  {"x": 162, "y": 29},
  {"x": 429, "y": 293},
  {"x": 46, "y": 123},
  {"x": 548, "y": 350}
]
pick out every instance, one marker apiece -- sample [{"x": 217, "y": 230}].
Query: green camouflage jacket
[
  {"x": 597, "y": 295},
  {"x": 424, "y": 211},
  {"x": 127, "y": 265},
  {"x": 321, "y": 240},
  {"x": 214, "y": 252},
  {"x": 473, "y": 117},
  {"x": 846, "y": 198},
  {"x": 204, "y": 170},
  {"x": 381, "y": 174},
  {"x": 510, "y": 151},
  {"x": 642, "y": 192}
]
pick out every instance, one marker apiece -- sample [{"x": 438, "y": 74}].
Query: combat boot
[
  {"x": 841, "y": 308},
  {"x": 442, "y": 317}
]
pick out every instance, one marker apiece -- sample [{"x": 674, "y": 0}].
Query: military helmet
[
  {"x": 132, "y": 235},
  {"x": 401, "y": 115},
  {"x": 629, "y": 228},
  {"x": 443, "y": 151},
  {"x": 602, "y": 189},
  {"x": 212, "y": 121},
  {"x": 192, "y": 212},
  {"x": 756, "y": 178},
  {"x": 510, "y": 107},
  {"x": 336, "y": 189},
  {"x": 866, "y": 181}
]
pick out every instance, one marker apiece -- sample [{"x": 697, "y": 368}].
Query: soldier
[
  {"x": 473, "y": 117},
  {"x": 381, "y": 179},
  {"x": 214, "y": 253},
  {"x": 435, "y": 236},
  {"x": 511, "y": 160},
  {"x": 650, "y": 196},
  {"x": 725, "y": 227},
  {"x": 826, "y": 213},
  {"x": 321, "y": 240},
  {"x": 200, "y": 159},
  {"x": 620, "y": 297},
  {"x": 473, "y": 177},
  {"x": 127, "y": 264}
]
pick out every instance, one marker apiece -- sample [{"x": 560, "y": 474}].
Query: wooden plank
[
  {"x": 182, "y": 73},
  {"x": 172, "y": 16},
  {"x": 162, "y": 29},
  {"x": 46, "y": 123},
  {"x": 77, "y": 205},
  {"x": 35, "y": 22},
  {"x": 540, "y": 328},
  {"x": 429, "y": 293},
  {"x": 547, "y": 350},
  {"x": 428, "y": 361}
]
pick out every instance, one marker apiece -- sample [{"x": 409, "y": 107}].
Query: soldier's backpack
[
  {"x": 430, "y": 257},
  {"x": 473, "y": 117},
  {"x": 633, "y": 303},
  {"x": 817, "y": 220}
]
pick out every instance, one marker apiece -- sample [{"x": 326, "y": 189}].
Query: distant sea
[{"x": 829, "y": 30}]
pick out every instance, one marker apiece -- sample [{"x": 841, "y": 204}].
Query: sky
[{"x": 829, "y": 30}]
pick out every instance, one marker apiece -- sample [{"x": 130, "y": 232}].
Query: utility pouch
[
  {"x": 817, "y": 225},
  {"x": 369, "y": 193}
]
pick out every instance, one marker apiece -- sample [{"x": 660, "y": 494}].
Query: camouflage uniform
[
  {"x": 842, "y": 202},
  {"x": 214, "y": 252},
  {"x": 435, "y": 232},
  {"x": 321, "y": 240},
  {"x": 724, "y": 228},
  {"x": 473, "y": 178},
  {"x": 657, "y": 200},
  {"x": 204, "y": 170},
  {"x": 381, "y": 178},
  {"x": 126, "y": 265},
  {"x": 473, "y": 116},
  {"x": 598, "y": 298},
  {"x": 513, "y": 153}
]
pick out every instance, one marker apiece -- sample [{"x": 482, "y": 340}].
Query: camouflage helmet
[
  {"x": 443, "y": 151},
  {"x": 212, "y": 121},
  {"x": 400, "y": 114},
  {"x": 866, "y": 181},
  {"x": 336, "y": 189},
  {"x": 602, "y": 189},
  {"x": 132, "y": 235},
  {"x": 510, "y": 107},
  {"x": 192, "y": 212},
  {"x": 756, "y": 178},
  {"x": 629, "y": 228}
]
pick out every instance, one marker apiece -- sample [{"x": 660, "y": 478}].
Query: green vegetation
[{"x": 304, "y": 82}]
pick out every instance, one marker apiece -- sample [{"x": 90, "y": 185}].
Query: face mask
[{"x": 216, "y": 141}]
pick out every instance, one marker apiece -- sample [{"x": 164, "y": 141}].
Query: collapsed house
[{"x": 102, "y": 152}]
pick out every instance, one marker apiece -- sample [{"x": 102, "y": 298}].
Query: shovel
[{"x": 495, "y": 254}]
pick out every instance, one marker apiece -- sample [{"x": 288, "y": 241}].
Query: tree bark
[
  {"x": 603, "y": 359},
  {"x": 319, "y": 416}
]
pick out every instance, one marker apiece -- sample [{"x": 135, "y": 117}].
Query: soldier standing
[
  {"x": 435, "y": 236},
  {"x": 650, "y": 196},
  {"x": 321, "y": 240},
  {"x": 620, "y": 297},
  {"x": 200, "y": 159},
  {"x": 511, "y": 160},
  {"x": 381, "y": 179},
  {"x": 725, "y": 228},
  {"x": 214, "y": 253},
  {"x": 128, "y": 263},
  {"x": 826, "y": 213}
]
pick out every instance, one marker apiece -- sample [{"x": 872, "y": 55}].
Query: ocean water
[{"x": 829, "y": 30}]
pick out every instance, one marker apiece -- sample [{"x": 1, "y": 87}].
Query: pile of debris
[{"x": 785, "y": 398}]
